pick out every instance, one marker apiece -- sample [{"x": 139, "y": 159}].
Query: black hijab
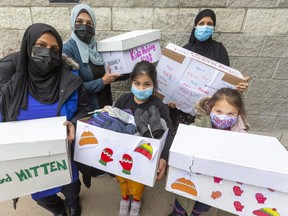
[
  {"x": 44, "y": 89},
  {"x": 209, "y": 48}
]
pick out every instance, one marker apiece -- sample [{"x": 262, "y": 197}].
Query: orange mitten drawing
[{"x": 216, "y": 194}]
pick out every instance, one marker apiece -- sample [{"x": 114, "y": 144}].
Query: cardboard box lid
[
  {"x": 32, "y": 138},
  {"x": 252, "y": 159},
  {"x": 128, "y": 40},
  {"x": 221, "y": 67}
]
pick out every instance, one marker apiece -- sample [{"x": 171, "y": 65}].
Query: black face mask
[
  {"x": 84, "y": 32},
  {"x": 45, "y": 59}
]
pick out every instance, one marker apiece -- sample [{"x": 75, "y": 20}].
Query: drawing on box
[
  {"x": 126, "y": 163},
  {"x": 260, "y": 198},
  {"x": 266, "y": 212},
  {"x": 237, "y": 191},
  {"x": 216, "y": 194},
  {"x": 145, "y": 149},
  {"x": 218, "y": 180},
  {"x": 238, "y": 206},
  {"x": 87, "y": 138},
  {"x": 185, "y": 185},
  {"x": 106, "y": 156}
]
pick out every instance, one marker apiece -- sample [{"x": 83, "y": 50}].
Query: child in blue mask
[
  {"x": 150, "y": 113},
  {"x": 225, "y": 111}
]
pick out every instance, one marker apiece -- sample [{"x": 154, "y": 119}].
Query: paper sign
[{"x": 181, "y": 73}]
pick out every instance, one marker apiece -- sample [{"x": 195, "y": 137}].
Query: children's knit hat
[
  {"x": 145, "y": 149},
  {"x": 87, "y": 138}
]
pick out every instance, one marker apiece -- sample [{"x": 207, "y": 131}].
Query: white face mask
[{"x": 222, "y": 121}]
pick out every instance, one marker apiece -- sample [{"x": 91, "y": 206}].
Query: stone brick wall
[{"x": 254, "y": 33}]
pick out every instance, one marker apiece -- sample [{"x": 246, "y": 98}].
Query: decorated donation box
[
  {"x": 244, "y": 174},
  {"x": 184, "y": 76},
  {"x": 123, "y": 51},
  {"x": 130, "y": 156},
  {"x": 33, "y": 156}
]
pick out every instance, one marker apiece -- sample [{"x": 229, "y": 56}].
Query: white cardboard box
[
  {"x": 244, "y": 174},
  {"x": 33, "y": 156},
  {"x": 184, "y": 76},
  {"x": 123, "y": 51},
  {"x": 108, "y": 150}
]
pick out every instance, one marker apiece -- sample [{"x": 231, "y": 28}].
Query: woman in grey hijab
[{"x": 82, "y": 47}]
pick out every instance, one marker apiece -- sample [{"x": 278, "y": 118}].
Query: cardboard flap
[
  {"x": 247, "y": 158},
  {"x": 173, "y": 55},
  {"x": 31, "y": 138},
  {"x": 232, "y": 79},
  {"x": 128, "y": 40}
]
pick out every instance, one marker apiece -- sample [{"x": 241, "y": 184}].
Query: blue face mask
[
  {"x": 141, "y": 94},
  {"x": 202, "y": 33}
]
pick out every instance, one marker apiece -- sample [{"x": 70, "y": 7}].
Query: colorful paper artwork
[
  {"x": 185, "y": 185},
  {"x": 126, "y": 163},
  {"x": 106, "y": 156},
  {"x": 87, "y": 138}
]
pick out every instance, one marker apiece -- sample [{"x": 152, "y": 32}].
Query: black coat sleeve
[
  {"x": 83, "y": 105},
  {"x": 223, "y": 57},
  {"x": 164, "y": 112}
]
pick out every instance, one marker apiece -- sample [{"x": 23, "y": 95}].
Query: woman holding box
[
  {"x": 82, "y": 48},
  {"x": 43, "y": 85},
  {"x": 201, "y": 42}
]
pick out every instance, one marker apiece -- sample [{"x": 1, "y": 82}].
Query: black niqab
[
  {"x": 209, "y": 48},
  {"x": 44, "y": 89}
]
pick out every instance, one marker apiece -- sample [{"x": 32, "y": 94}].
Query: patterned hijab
[{"x": 87, "y": 51}]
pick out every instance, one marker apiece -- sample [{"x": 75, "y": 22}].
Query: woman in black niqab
[
  {"x": 29, "y": 78},
  {"x": 209, "y": 48}
]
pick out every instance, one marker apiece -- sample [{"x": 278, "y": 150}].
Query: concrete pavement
[{"x": 102, "y": 199}]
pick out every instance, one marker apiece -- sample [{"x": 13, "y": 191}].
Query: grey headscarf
[{"x": 87, "y": 51}]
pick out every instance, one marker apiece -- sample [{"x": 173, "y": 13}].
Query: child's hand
[
  {"x": 71, "y": 131},
  {"x": 108, "y": 77},
  {"x": 161, "y": 168},
  {"x": 172, "y": 104},
  {"x": 243, "y": 86}
]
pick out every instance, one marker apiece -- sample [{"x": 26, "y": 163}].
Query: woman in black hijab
[
  {"x": 200, "y": 42},
  {"x": 42, "y": 85}
]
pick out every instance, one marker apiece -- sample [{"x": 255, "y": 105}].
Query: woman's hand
[
  {"x": 71, "y": 131},
  {"x": 172, "y": 104},
  {"x": 243, "y": 86},
  {"x": 108, "y": 77},
  {"x": 161, "y": 168}
]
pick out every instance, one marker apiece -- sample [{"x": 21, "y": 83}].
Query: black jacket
[{"x": 69, "y": 83}]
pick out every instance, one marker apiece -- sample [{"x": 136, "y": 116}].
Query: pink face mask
[{"x": 222, "y": 121}]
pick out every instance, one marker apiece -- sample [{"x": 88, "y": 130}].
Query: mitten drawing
[
  {"x": 106, "y": 156},
  {"x": 126, "y": 163}
]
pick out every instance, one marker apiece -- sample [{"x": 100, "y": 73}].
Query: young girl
[
  {"x": 225, "y": 111},
  {"x": 146, "y": 109}
]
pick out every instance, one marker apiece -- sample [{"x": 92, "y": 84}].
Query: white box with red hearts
[{"x": 241, "y": 173}]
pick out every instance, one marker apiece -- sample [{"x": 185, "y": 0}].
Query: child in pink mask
[{"x": 225, "y": 111}]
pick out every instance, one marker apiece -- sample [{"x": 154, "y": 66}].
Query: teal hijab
[{"x": 87, "y": 51}]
